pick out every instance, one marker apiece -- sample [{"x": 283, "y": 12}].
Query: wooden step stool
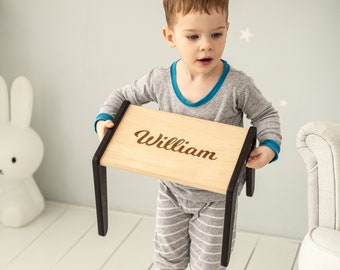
[{"x": 189, "y": 151}]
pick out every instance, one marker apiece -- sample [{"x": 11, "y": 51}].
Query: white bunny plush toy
[{"x": 21, "y": 153}]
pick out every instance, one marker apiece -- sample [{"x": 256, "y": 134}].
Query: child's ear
[{"x": 169, "y": 37}]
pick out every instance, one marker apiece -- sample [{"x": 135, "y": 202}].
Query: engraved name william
[{"x": 173, "y": 144}]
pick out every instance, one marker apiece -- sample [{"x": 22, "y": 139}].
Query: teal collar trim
[{"x": 205, "y": 99}]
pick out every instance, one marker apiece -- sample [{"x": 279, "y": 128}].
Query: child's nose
[{"x": 206, "y": 44}]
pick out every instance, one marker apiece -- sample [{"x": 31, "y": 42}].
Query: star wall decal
[
  {"x": 283, "y": 103},
  {"x": 246, "y": 35}
]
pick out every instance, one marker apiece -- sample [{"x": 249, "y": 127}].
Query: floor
[{"x": 65, "y": 237}]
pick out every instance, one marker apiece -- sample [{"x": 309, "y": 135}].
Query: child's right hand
[{"x": 102, "y": 127}]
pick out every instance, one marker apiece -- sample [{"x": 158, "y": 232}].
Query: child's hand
[
  {"x": 102, "y": 127},
  {"x": 260, "y": 157}
]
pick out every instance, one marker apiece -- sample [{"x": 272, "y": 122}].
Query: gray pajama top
[{"x": 233, "y": 96}]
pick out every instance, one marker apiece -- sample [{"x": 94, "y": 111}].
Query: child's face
[{"x": 200, "y": 40}]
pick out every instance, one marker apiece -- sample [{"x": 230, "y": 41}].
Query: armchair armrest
[{"x": 319, "y": 146}]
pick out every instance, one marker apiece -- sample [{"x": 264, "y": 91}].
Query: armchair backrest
[{"x": 319, "y": 146}]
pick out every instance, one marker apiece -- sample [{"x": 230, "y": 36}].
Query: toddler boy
[{"x": 189, "y": 221}]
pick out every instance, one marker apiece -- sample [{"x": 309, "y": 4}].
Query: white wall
[{"x": 76, "y": 51}]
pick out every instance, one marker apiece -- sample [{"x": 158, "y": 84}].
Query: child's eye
[
  {"x": 216, "y": 35},
  {"x": 192, "y": 37}
]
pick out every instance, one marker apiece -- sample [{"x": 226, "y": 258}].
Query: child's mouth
[{"x": 205, "y": 61}]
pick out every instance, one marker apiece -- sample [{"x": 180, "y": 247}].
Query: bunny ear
[
  {"x": 4, "y": 107},
  {"x": 21, "y": 102}
]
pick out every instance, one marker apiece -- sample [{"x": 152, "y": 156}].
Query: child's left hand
[{"x": 260, "y": 157}]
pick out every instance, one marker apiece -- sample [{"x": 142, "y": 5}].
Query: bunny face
[
  {"x": 21, "y": 149},
  {"x": 21, "y": 152}
]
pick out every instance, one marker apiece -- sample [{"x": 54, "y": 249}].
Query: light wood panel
[
  {"x": 274, "y": 253},
  {"x": 14, "y": 241},
  {"x": 186, "y": 150},
  {"x": 64, "y": 237},
  {"x": 53, "y": 243},
  {"x": 137, "y": 251},
  {"x": 96, "y": 248}
]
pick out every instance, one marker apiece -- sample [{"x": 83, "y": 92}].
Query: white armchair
[{"x": 319, "y": 145}]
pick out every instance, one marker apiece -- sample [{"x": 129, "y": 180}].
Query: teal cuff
[
  {"x": 102, "y": 116},
  {"x": 274, "y": 146}
]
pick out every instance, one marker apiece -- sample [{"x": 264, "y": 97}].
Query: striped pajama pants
[{"x": 188, "y": 233}]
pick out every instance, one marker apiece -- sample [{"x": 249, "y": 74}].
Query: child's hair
[{"x": 184, "y": 7}]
